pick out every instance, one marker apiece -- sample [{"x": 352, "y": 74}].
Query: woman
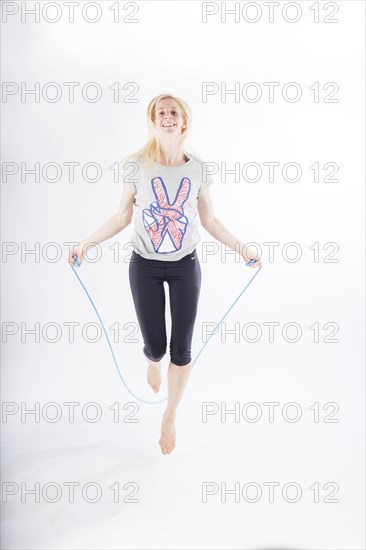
[{"x": 165, "y": 193}]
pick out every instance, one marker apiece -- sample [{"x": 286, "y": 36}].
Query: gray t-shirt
[{"x": 165, "y": 212}]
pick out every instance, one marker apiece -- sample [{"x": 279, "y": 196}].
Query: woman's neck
[{"x": 170, "y": 158}]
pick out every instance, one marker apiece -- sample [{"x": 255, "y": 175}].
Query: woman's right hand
[{"x": 78, "y": 251}]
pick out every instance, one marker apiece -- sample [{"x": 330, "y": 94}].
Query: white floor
[{"x": 170, "y": 510}]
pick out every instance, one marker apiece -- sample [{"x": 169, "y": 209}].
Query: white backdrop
[{"x": 315, "y": 360}]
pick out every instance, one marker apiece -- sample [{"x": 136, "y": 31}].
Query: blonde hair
[{"x": 150, "y": 151}]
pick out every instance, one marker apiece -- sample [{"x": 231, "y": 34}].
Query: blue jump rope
[{"x": 78, "y": 264}]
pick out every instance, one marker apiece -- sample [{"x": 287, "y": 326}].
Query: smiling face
[{"x": 169, "y": 119}]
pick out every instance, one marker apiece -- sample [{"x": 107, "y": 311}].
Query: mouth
[{"x": 169, "y": 125}]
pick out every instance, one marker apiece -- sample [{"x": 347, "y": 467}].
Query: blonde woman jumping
[{"x": 165, "y": 195}]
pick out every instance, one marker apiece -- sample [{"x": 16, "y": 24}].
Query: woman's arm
[
  {"x": 218, "y": 231},
  {"x": 115, "y": 223}
]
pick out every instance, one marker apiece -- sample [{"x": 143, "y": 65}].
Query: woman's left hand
[{"x": 252, "y": 256}]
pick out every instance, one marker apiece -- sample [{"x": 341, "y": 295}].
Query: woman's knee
[{"x": 155, "y": 352}]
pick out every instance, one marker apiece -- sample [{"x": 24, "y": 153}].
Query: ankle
[{"x": 169, "y": 416}]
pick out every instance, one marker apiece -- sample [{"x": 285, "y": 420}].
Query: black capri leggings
[{"x": 184, "y": 279}]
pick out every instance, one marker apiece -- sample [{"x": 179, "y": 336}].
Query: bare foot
[
  {"x": 154, "y": 375},
  {"x": 167, "y": 439}
]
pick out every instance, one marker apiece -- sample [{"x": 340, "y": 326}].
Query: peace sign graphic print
[{"x": 165, "y": 221}]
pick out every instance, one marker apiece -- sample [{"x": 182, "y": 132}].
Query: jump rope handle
[
  {"x": 78, "y": 264},
  {"x": 250, "y": 263}
]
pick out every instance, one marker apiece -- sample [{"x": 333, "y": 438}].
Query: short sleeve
[
  {"x": 207, "y": 181},
  {"x": 131, "y": 174}
]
